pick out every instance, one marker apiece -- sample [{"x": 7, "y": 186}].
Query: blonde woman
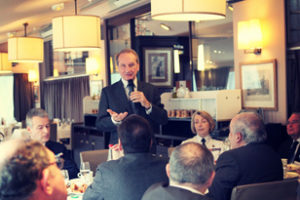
[{"x": 202, "y": 124}]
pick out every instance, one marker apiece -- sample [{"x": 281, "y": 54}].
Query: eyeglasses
[
  {"x": 59, "y": 162},
  {"x": 293, "y": 122}
]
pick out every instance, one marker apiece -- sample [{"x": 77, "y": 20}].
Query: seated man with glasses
[
  {"x": 290, "y": 148},
  {"x": 29, "y": 171}
]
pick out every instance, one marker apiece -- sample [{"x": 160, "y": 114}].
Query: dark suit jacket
[
  {"x": 253, "y": 163},
  {"x": 126, "y": 178},
  {"x": 285, "y": 150},
  {"x": 163, "y": 191},
  {"x": 69, "y": 164},
  {"x": 115, "y": 98}
]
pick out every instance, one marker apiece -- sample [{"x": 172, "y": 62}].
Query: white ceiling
[{"x": 38, "y": 13}]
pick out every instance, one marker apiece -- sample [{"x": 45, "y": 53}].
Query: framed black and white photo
[{"x": 158, "y": 66}]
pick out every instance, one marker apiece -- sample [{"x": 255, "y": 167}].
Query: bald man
[{"x": 249, "y": 161}]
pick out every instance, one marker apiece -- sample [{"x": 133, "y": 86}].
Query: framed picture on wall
[
  {"x": 158, "y": 66},
  {"x": 259, "y": 84}
]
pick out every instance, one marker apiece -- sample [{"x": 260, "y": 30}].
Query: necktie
[
  {"x": 293, "y": 152},
  {"x": 130, "y": 86},
  {"x": 131, "y": 89},
  {"x": 203, "y": 142}
]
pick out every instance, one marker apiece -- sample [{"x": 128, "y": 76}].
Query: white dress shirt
[{"x": 215, "y": 146}]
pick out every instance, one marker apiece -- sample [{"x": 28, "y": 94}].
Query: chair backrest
[
  {"x": 94, "y": 157},
  {"x": 283, "y": 190}
]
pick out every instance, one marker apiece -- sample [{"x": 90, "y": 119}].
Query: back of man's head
[
  {"x": 20, "y": 168},
  {"x": 35, "y": 112},
  {"x": 191, "y": 163},
  {"x": 135, "y": 134},
  {"x": 251, "y": 127}
]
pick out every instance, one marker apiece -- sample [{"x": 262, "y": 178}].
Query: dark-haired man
[
  {"x": 29, "y": 171},
  {"x": 131, "y": 175},
  {"x": 128, "y": 96},
  {"x": 38, "y": 126}
]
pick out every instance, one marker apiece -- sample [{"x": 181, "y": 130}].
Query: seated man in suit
[
  {"x": 38, "y": 126},
  {"x": 29, "y": 171},
  {"x": 190, "y": 171},
  {"x": 290, "y": 148},
  {"x": 129, "y": 96},
  {"x": 249, "y": 161},
  {"x": 129, "y": 176}
]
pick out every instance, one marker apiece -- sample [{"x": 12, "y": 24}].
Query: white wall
[
  {"x": 271, "y": 14},
  {"x": 6, "y": 98}
]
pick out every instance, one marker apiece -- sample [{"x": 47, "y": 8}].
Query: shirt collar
[
  {"x": 185, "y": 188},
  {"x": 207, "y": 138},
  {"x": 125, "y": 83}
]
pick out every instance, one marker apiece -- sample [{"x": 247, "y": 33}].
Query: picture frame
[
  {"x": 158, "y": 66},
  {"x": 259, "y": 84}
]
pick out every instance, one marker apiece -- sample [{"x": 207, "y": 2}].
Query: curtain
[
  {"x": 63, "y": 97},
  {"x": 293, "y": 82},
  {"x": 23, "y": 96}
]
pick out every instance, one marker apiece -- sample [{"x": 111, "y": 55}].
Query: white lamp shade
[
  {"x": 25, "y": 49},
  {"x": 32, "y": 76},
  {"x": 249, "y": 34},
  {"x": 76, "y": 33},
  {"x": 188, "y": 10},
  {"x": 5, "y": 65},
  {"x": 92, "y": 66}
]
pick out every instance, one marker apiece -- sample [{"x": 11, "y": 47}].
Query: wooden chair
[
  {"x": 94, "y": 157},
  {"x": 280, "y": 190}
]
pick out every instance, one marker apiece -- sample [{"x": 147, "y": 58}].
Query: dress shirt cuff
[
  {"x": 115, "y": 122},
  {"x": 149, "y": 110}
]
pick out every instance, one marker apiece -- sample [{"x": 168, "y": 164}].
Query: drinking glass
[
  {"x": 85, "y": 166},
  {"x": 227, "y": 145},
  {"x": 65, "y": 175}
]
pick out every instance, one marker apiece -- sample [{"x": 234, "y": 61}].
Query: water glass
[
  {"x": 85, "y": 166},
  {"x": 65, "y": 174},
  {"x": 227, "y": 145}
]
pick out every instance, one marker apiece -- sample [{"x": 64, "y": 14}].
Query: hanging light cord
[
  {"x": 75, "y": 7},
  {"x": 25, "y": 29}
]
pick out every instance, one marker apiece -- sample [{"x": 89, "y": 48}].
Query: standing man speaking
[{"x": 128, "y": 96}]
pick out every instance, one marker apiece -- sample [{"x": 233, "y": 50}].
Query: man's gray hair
[
  {"x": 191, "y": 163},
  {"x": 35, "y": 112},
  {"x": 251, "y": 126},
  {"x": 128, "y": 51}
]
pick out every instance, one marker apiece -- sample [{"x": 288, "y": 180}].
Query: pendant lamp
[
  {"x": 25, "y": 49},
  {"x": 5, "y": 65},
  {"x": 76, "y": 33},
  {"x": 188, "y": 10}
]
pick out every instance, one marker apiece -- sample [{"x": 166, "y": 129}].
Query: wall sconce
[
  {"x": 250, "y": 36},
  {"x": 92, "y": 66},
  {"x": 25, "y": 49},
  {"x": 76, "y": 33},
  {"x": 176, "y": 62},
  {"x": 201, "y": 58},
  {"x": 33, "y": 77},
  {"x": 188, "y": 10},
  {"x": 5, "y": 65}
]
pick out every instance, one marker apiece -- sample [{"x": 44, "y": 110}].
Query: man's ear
[
  {"x": 168, "y": 170},
  {"x": 211, "y": 178},
  {"x": 239, "y": 137},
  {"x": 28, "y": 129},
  {"x": 44, "y": 182}
]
